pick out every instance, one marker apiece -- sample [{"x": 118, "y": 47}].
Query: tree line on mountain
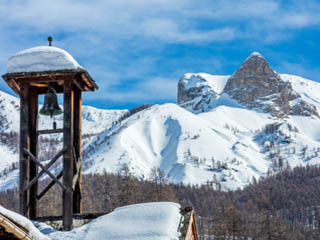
[
  {"x": 131, "y": 112},
  {"x": 283, "y": 206}
]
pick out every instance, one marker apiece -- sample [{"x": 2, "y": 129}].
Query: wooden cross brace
[{"x": 45, "y": 169}]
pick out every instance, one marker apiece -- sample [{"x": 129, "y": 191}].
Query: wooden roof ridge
[
  {"x": 187, "y": 225},
  {"x": 47, "y": 72},
  {"x": 11, "y": 226}
]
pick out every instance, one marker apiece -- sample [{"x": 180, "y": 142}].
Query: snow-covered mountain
[
  {"x": 224, "y": 131},
  {"x": 217, "y": 134}
]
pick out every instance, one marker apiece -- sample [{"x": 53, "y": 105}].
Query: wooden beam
[
  {"x": 68, "y": 121},
  {"x": 44, "y": 169},
  {"x": 50, "y": 131},
  {"x": 44, "y": 90},
  {"x": 53, "y": 160},
  {"x": 35, "y": 84},
  {"x": 33, "y": 125},
  {"x": 45, "y": 77},
  {"x": 47, "y": 188},
  {"x": 16, "y": 86},
  {"x": 86, "y": 80},
  {"x": 77, "y": 130},
  {"x": 24, "y": 143}
]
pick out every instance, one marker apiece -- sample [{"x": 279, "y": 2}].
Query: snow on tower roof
[{"x": 40, "y": 59}]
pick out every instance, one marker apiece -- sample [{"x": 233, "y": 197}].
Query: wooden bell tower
[{"x": 28, "y": 84}]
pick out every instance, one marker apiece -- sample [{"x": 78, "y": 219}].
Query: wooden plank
[
  {"x": 24, "y": 143},
  {"x": 77, "y": 206},
  {"x": 68, "y": 115},
  {"x": 33, "y": 125},
  {"x": 53, "y": 160},
  {"x": 50, "y": 131},
  {"x": 47, "y": 188},
  {"x": 43, "y": 168}
]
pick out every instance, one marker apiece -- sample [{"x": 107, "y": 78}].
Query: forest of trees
[{"x": 284, "y": 206}]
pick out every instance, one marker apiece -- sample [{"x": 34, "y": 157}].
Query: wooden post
[
  {"x": 68, "y": 115},
  {"x": 77, "y": 207},
  {"x": 24, "y": 143},
  {"x": 33, "y": 170}
]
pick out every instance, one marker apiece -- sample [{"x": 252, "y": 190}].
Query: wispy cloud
[
  {"x": 165, "y": 20},
  {"x": 134, "y": 49}
]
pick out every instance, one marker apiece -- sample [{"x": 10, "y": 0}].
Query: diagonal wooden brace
[
  {"x": 44, "y": 169},
  {"x": 33, "y": 181},
  {"x": 47, "y": 188}
]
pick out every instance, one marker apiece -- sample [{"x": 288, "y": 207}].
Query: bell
[{"x": 50, "y": 106}]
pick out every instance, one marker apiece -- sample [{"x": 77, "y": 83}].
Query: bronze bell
[{"x": 50, "y": 106}]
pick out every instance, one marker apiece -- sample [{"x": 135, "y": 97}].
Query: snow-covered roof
[
  {"x": 40, "y": 59},
  {"x": 33, "y": 232},
  {"x": 156, "y": 221}
]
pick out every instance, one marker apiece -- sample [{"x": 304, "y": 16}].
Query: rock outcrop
[
  {"x": 256, "y": 86},
  {"x": 194, "y": 92},
  {"x": 198, "y": 92}
]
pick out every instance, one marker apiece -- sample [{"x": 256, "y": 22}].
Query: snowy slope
[
  {"x": 182, "y": 144},
  {"x": 308, "y": 89}
]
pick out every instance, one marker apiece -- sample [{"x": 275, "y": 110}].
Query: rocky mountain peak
[
  {"x": 254, "y": 72},
  {"x": 257, "y": 86}
]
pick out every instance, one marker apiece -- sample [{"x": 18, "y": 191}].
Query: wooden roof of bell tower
[{"x": 43, "y": 66}]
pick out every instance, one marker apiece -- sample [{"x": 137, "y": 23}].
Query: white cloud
[
  {"x": 165, "y": 20},
  {"x": 299, "y": 20},
  {"x": 170, "y": 31},
  {"x": 152, "y": 89}
]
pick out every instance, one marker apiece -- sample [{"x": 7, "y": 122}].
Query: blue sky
[{"x": 137, "y": 50}]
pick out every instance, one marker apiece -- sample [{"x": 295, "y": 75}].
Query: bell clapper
[{"x": 54, "y": 123}]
